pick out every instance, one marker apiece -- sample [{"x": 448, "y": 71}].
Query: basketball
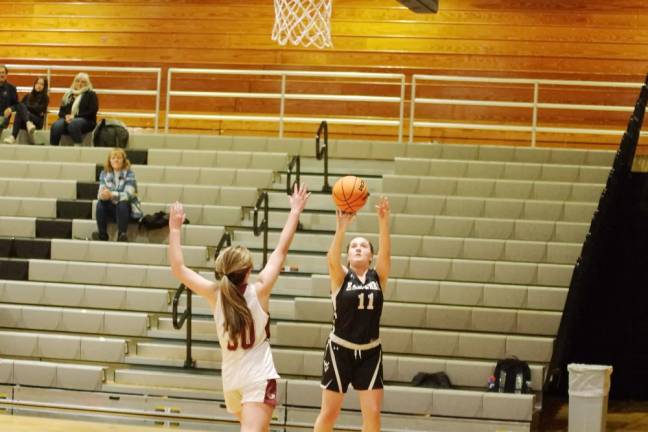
[{"x": 350, "y": 194}]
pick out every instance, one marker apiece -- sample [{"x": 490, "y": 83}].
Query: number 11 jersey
[{"x": 357, "y": 308}]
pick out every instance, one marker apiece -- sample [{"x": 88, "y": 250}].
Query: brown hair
[
  {"x": 231, "y": 267},
  {"x": 108, "y": 168}
]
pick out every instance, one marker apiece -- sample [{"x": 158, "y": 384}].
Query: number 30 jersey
[{"x": 357, "y": 308}]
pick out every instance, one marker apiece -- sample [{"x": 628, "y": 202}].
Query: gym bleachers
[{"x": 484, "y": 243}]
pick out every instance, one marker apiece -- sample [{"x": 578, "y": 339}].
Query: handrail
[
  {"x": 294, "y": 164},
  {"x": 178, "y": 323},
  {"x": 281, "y": 117},
  {"x": 534, "y": 105},
  {"x": 226, "y": 239},
  {"x": 48, "y": 69},
  {"x": 189, "y": 363},
  {"x": 262, "y": 227},
  {"x": 321, "y": 152}
]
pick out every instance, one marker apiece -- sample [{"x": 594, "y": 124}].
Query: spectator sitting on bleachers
[
  {"x": 78, "y": 112},
  {"x": 8, "y": 98},
  {"x": 117, "y": 196},
  {"x": 31, "y": 111}
]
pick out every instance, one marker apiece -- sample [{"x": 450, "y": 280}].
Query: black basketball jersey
[{"x": 357, "y": 308}]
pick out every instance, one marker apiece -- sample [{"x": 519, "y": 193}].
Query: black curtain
[{"x": 605, "y": 319}]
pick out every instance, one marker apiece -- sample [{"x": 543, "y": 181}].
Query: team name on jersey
[{"x": 372, "y": 286}]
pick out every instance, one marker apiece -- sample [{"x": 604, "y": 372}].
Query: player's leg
[
  {"x": 331, "y": 405},
  {"x": 371, "y": 405},
  {"x": 258, "y": 402},
  {"x": 368, "y": 381}
]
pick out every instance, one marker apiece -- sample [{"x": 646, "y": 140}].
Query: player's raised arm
[
  {"x": 268, "y": 276},
  {"x": 192, "y": 280}
]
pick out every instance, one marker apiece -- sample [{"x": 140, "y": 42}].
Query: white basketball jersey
[{"x": 251, "y": 361}]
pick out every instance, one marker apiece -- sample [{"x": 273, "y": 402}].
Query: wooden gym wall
[{"x": 575, "y": 39}]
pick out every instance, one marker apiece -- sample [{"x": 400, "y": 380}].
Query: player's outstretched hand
[
  {"x": 382, "y": 208},
  {"x": 176, "y": 215},
  {"x": 299, "y": 197}
]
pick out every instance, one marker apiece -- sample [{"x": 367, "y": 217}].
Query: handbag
[{"x": 136, "y": 209}]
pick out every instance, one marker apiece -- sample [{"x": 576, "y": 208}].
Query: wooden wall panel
[{"x": 576, "y": 39}]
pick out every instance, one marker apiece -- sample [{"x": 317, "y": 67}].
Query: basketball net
[{"x": 303, "y": 22}]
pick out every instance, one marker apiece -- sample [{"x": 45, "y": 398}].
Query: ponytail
[{"x": 231, "y": 266}]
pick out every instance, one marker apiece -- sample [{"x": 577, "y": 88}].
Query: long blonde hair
[
  {"x": 71, "y": 91},
  {"x": 125, "y": 165},
  {"x": 231, "y": 267}
]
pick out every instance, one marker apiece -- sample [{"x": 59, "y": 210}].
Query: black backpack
[
  {"x": 432, "y": 380},
  {"x": 110, "y": 133},
  {"x": 157, "y": 220},
  {"x": 512, "y": 375}
]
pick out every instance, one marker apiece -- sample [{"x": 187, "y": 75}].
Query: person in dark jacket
[
  {"x": 31, "y": 112},
  {"x": 8, "y": 98},
  {"x": 78, "y": 112}
]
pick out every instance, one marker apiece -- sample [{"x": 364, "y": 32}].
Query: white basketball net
[{"x": 303, "y": 22}]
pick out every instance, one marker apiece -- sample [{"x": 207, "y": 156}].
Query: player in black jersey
[{"x": 353, "y": 354}]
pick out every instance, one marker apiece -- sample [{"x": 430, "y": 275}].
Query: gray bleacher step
[
  {"x": 52, "y": 374},
  {"x": 447, "y": 226},
  {"x": 347, "y": 166},
  {"x": 430, "y": 204},
  {"x": 574, "y": 173},
  {"x": 398, "y": 398},
  {"x": 196, "y": 380},
  {"x": 165, "y": 382},
  {"x": 303, "y": 419},
  {"x": 315, "y": 182},
  {"x": 127, "y": 409},
  {"x": 431, "y": 246},
  {"x": 386, "y": 150},
  {"x": 307, "y": 362},
  {"x": 480, "y": 269},
  {"x": 443, "y": 292},
  {"x": 428, "y": 401},
  {"x": 448, "y": 343},
  {"x": 192, "y": 235},
  {"x": 421, "y": 316}
]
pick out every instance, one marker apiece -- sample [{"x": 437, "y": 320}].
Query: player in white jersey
[
  {"x": 240, "y": 310},
  {"x": 353, "y": 354}
]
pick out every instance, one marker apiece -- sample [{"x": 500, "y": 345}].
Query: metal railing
[
  {"x": 262, "y": 227},
  {"x": 281, "y": 118},
  {"x": 179, "y": 321},
  {"x": 26, "y": 69},
  {"x": 534, "y": 105},
  {"x": 294, "y": 167},
  {"x": 321, "y": 152}
]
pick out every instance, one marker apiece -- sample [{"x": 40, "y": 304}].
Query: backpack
[
  {"x": 512, "y": 375},
  {"x": 432, "y": 380},
  {"x": 110, "y": 133},
  {"x": 157, "y": 220}
]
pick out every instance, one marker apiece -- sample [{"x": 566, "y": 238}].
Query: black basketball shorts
[{"x": 343, "y": 366}]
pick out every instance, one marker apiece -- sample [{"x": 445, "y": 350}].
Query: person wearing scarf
[
  {"x": 78, "y": 112},
  {"x": 31, "y": 111}
]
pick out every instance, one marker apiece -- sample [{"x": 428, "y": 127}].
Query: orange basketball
[{"x": 350, "y": 193}]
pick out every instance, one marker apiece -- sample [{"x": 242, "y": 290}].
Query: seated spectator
[
  {"x": 8, "y": 98},
  {"x": 117, "y": 196},
  {"x": 78, "y": 112},
  {"x": 31, "y": 112}
]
